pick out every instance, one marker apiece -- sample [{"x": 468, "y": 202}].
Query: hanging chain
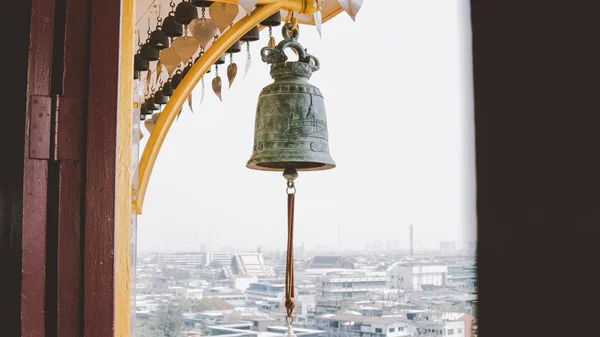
[
  {"x": 231, "y": 58},
  {"x": 270, "y": 31},
  {"x": 158, "y": 19},
  {"x": 148, "y": 32},
  {"x": 172, "y": 4},
  {"x": 203, "y": 16}
]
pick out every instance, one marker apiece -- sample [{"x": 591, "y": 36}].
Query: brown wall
[{"x": 537, "y": 114}]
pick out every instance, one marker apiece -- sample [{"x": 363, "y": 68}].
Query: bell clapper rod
[
  {"x": 229, "y": 37},
  {"x": 290, "y": 174}
]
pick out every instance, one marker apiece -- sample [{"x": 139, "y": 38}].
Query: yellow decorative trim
[
  {"x": 177, "y": 100},
  {"x": 124, "y": 174},
  {"x": 188, "y": 83}
]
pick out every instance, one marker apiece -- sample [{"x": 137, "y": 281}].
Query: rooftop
[{"x": 362, "y": 319}]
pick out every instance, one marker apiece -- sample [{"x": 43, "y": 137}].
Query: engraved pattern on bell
[{"x": 291, "y": 124}]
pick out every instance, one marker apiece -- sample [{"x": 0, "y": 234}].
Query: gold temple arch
[{"x": 305, "y": 10}]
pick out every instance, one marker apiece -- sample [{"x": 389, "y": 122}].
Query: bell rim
[
  {"x": 322, "y": 161},
  {"x": 252, "y": 164}
]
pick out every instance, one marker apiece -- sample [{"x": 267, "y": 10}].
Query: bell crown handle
[{"x": 277, "y": 54}]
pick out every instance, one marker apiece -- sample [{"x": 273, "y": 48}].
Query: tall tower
[{"x": 411, "y": 239}]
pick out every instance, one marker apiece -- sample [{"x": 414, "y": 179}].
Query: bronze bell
[
  {"x": 140, "y": 64},
  {"x": 171, "y": 27},
  {"x": 252, "y": 35},
  {"x": 273, "y": 20},
  {"x": 235, "y": 48},
  {"x": 144, "y": 110},
  {"x": 150, "y": 105},
  {"x": 185, "y": 12},
  {"x": 221, "y": 60},
  {"x": 186, "y": 69},
  {"x": 176, "y": 79},
  {"x": 159, "y": 40},
  {"x": 202, "y": 3},
  {"x": 148, "y": 53},
  {"x": 160, "y": 98},
  {"x": 291, "y": 126},
  {"x": 167, "y": 90}
]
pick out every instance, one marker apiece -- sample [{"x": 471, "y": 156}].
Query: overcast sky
[{"x": 398, "y": 90}]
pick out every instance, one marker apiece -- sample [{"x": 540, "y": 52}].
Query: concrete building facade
[{"x": 415, "y": 275}]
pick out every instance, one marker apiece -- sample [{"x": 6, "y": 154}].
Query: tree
[{"x": 167, "y": 322}]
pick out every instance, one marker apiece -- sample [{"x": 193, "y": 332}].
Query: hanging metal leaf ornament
[
  {"x": 272, "y": 42},
  {"x": 248, "y": 63},
  {"x": 318, "y": 22},
  {"x": 185, "y": 47},
  {"x": 248, "y": 5},
  {"x": 202, "y": 91},
  {"x": 155, "y": 117},
  {"x": 169, "y": 59},
  {"x": 351, "y": 7},
  {"x": 148, "y": 79},
  {"x": 189, "y": 100},
  {"x": 231, "y": 73},
  {"x": 216, "y": 85},
  {"x": 179, "y": 113},
  {"x": 158, "y": 72},
  {"x": 149, "y": 124},
  {"x": 203, "y": 30},
  {"x": 223, "y": 14}
]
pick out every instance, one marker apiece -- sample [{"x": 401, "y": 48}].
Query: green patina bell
[{"x": 291, "y": 126}]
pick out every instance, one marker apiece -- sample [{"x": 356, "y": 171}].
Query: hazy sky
[{"x": 398, "y": 90}]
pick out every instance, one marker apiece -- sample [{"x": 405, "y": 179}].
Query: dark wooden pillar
[
  {"x": 47, "y": 196},
  {"x": 100, "y": 216},
  {"x": 537, "y": 107},
  {"x": 12, "y": 151}
]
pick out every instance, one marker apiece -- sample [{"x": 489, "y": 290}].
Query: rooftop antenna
[{"x": 411, "y": 240}]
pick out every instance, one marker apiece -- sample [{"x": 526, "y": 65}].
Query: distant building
[
  {"x": 353, "y": 285},
  {"x": 473, "y": 247},
  {"x": 438, "y": 324},
  {"x": 190, "y": 259},
  {"x": 448, "y": 247},
  {"x": 375, "y": 246},
  {"x": 260, "y": 328},
  {"x": 415, "y": 275},
  {"x": 330, "y": 262},
  {"x": 462, "y": 276},
  {"x": 232, "y": 296},
  {"x": 247, "y": 265},
  {"x": 362, "y": 326},
  {"x": 267, "y": 290},
  {"x": 221, "y": 258},
  {"x": 392, "y": 245}
]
